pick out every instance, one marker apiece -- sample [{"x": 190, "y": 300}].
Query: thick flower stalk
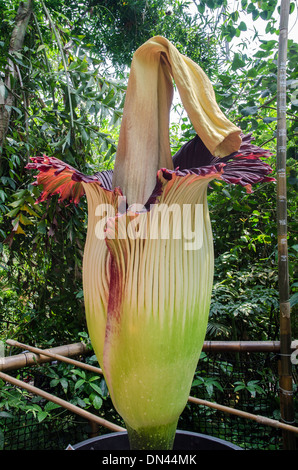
[{"x": 148, "y": 259}]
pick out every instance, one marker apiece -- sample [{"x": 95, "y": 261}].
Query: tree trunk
[{"x": 7, "y": 84}]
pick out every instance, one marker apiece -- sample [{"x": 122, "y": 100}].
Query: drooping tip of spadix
[
  {"x": 231, "y": 143},
  {"x": 144, "y": 144}
]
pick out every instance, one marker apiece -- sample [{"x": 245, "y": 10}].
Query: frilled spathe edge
[
  {"x": 58, "y": 177},
  {"x": 244, "y": 167}
]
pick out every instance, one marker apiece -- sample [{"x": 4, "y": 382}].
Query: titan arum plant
[{"x": 148, "y": 258}]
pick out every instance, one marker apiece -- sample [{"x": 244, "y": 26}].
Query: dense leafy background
[{"x": 68, "y": 100}]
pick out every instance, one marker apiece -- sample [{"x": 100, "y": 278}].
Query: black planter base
[{"x": 184, "y": 440}]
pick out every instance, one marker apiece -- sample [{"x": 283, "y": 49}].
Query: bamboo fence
[
  {"x": 42, "y": 355},
  {"x": 59, "y": 401},
  {"x": 35, "y": 355}
]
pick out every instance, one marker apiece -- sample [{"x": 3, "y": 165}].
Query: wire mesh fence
[{"x": 245, "y": 381}]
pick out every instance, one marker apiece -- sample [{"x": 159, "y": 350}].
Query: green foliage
[
  {"x": 115, "y": 29},
  {"x": 65, "y": 106},
  {"x": 252, "y": 387},
  {"x": 80, "y": 387},
  {"x": 208, "y": 382},
  {"x": 13, "y": 401}
]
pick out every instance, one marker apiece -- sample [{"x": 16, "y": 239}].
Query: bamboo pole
[
  {"x": 243, "y": 414},
  {"x": 241, "y": 346},
  {"x": 53, "y": 355},
  {"x": 79, "y": 348},
  {"x": 286, "y": 381},
  {"x": 40, "y": 356},
  {"x": 28, "y": 359},
  {"x": 59, "y": 401}
]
